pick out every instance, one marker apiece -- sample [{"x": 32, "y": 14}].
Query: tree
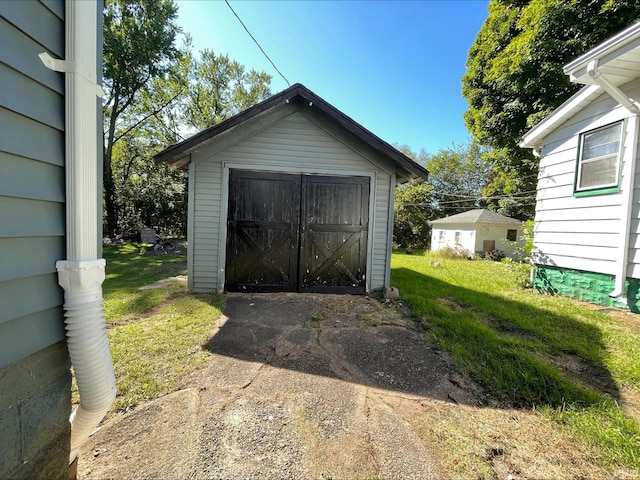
[
  {"x": 514, "y": 79},
  {"x": 156, "y": 95},
  {"x": 220, "y": 88},
  {"x": 139, "y": 47},
  {"x": 412, "y": 210},
  {"x": 458, "y": 176},
  {"x": 413, "y": 206}
]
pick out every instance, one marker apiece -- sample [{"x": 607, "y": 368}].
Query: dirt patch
[
  {"x": 581, "y": 371},
  {"x": 165, "y": 282},
  {"x": 328, "y": 386}
]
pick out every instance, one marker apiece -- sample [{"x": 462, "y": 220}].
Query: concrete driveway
[{"x": 297, "y": 386}]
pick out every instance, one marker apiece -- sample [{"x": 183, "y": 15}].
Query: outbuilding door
[{"x": 305, "y": 233}]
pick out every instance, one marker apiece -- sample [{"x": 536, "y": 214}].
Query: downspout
[
  {"x": 82, "y": 273},
  {"x": 628, "y": 175}
]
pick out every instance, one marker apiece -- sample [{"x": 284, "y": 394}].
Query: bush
[
  {"x": 495, "y": 255},
  {"x": 519, "y": 272},
  {"x": 451, "y": 253}
]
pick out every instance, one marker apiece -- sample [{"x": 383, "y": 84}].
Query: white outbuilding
[{"x": 477, "y": 231}]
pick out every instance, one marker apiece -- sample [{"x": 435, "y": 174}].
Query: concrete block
[
  {"x": 391, "y": 293},
  {"x": 35, "y": 404}
]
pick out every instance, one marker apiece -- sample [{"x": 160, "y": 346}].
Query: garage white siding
[
  {"x": 583, "y": 233},
  {"x": 293, "y": 144}
]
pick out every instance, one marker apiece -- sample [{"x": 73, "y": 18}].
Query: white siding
[
  {"x": 294, "y": 144},
  {"x": 582, "y": 233}
]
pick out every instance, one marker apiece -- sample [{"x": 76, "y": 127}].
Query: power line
[{"x": 256, "y": 42}]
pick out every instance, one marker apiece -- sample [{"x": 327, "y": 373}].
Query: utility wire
[{"x": 256, "y": 42}]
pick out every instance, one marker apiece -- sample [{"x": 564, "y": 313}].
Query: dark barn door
[
  {"x": 263, "y": 232},
  {"x": 335, "y": 219},
  {"x": 301, "y": 233}
]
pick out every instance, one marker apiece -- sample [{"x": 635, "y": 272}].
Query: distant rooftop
[{"x": 479, "y": 215}]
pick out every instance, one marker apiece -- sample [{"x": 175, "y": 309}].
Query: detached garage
[{"x": 290, "y": 195}]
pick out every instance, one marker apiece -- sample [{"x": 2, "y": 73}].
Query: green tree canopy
[
  {"x": 220, "y": 88},
  {"x": 458, "y": 176},
  {"x": 514, "y": 78},
  {"x": 157, "y": 94},
  {"x": 139, "y": 47}
]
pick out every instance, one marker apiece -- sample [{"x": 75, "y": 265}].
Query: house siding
[
  {"x": 32, "y": 210},
  {"x": 582, "y": 233},
  {"x": 34, "y": 363},
  {"x": 292, "y": 144}
]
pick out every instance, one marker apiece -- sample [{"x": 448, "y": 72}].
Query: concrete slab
[{"x": 297, "y": 386}]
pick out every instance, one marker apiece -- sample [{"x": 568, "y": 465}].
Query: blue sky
[{"x": 393, "y": 66}]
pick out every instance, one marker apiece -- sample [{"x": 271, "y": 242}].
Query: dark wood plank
[
  {"x": 335, "y": 219},
  {"x": 262, "y": 231}
]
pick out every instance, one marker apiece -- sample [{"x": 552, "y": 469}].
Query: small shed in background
[
  {"x": 290, "y": 195},
  {"x": 478, "y": 231}
]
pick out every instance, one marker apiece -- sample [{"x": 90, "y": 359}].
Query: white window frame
[{"x": 581, "y": 161}]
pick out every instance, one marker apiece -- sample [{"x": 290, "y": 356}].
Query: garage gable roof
[
  {"x": 297, "y": 93},
  {"x": 479, "y": 215}
]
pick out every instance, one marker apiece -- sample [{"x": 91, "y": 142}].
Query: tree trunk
[
  {"x": 111, "y": 211},
  {"x": 111, "y": 207}
]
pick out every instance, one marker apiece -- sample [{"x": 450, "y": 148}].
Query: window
[
  {"x": 441, "y": 236},
  {"x": 457, "y": 238},
  {"x": 512, "y": 235},
  {"x": 598, "y": 158}
]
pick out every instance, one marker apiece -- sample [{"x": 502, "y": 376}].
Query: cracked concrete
[{"x": 297, "y": 386}]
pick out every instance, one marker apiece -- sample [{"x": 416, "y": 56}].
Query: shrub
[
  {"x": 519, "y": 272},
  {"x": 451, "y": 253},
  {"x": 495, "y": 255}
]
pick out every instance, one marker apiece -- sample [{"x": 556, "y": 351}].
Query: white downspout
[
  {"x": 628, "y": 175},
  {"x": 82, "y": 274}
]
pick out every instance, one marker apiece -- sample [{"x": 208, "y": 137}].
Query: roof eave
[
  {"x": 626, "y": 40},
  {"x": 578, "y": 71},
  {"x": 534, "y": 137}
]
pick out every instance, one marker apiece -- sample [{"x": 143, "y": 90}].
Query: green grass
[
  {"x": 156, "y": 335},
  {"x": 517, "y": 344}
]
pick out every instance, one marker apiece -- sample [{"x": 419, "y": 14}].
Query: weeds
[{"x": 315, "y": 321}]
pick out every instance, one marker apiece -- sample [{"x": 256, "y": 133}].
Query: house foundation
[
  {"x": 587, "y": 286},
  {"x": 34, "y": 415}
]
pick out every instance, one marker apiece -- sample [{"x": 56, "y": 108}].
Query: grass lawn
[
  {"x": 156, "y": 335},
  {"x": 578, "y": 365}
]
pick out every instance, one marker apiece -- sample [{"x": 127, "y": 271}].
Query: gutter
[
  {"x": 82, "y": 273},
  {"x": 628, "y": 176},
  {"x": 613, "y": 91}
]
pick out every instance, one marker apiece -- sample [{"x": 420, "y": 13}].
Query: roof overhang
[
  {"x": 605, "y": 67},
  {"x": 178, "y": 155},
  {"x": 618, "y": 58}
]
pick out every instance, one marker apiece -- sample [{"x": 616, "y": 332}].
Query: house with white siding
[
  {"x": 477, "y": 231},
  {"x": 587, "y": 221},
  {"x": 290, "y": 195}
]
